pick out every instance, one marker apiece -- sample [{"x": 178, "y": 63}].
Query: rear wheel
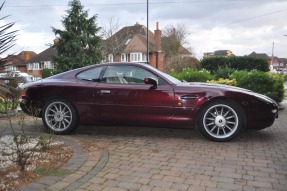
[
  {"x": 59, "y": 116},
  {"x": 220, "y": 120}
]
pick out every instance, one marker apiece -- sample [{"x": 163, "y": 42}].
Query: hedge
[{"x": 213, "y": 64}]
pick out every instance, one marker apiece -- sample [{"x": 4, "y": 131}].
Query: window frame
[
  {"x": 96, "y": 79},
  {"x": 138, "y": 57}
]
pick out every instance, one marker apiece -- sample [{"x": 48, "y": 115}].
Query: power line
[
  {"x": 133, "y": 3},
  {"x": 255, "y": 17}
]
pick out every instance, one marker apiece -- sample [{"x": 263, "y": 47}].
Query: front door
[{"x": 123, "y": 98}]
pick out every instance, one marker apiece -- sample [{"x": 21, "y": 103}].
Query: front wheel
[
  {"x": 59, "y": 116},
  {"x": 220, "y": 120}
]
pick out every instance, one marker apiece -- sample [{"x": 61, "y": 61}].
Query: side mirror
[{"x": 151, "y": 81}]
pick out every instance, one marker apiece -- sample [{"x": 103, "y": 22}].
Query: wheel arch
[
  {"x": 221, "y": 98},
  {"x": 48, "y": 99}
]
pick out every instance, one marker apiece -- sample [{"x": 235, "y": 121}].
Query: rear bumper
[{"x": 32, "y": 108}]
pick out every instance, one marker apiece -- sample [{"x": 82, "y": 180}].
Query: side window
[
  {"x": 128, "y": 75},
  {"x": 92, "y": 74},
  {"x": 115, "y": 75}
]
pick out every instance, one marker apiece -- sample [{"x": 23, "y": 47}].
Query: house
[
  {"x": 17, "y": 62},
  {"x": 43, "y": 60},
  {"x": 274, "y": 61},
  {"x": 218, "y": 53},
  {"x": 261, "y": 55},
  {"x": 130, "y": 43},
  {"x": 279, "y": 62},
  {"x": 283, "y": 62}
]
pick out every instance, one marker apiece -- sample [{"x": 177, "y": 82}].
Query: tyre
[
  {"x": 59, "y": 116},
  {"x": 221, "y": 120}
]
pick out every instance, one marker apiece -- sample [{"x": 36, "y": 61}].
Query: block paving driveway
[
  {"x": 159, "y": 159},
  {"x": 172, "y": 159}
]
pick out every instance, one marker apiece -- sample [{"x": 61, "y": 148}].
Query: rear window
[{"x": 92, "y": 74}]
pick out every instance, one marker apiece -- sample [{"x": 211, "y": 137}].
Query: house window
[
  {"x": 49, "y": 65},
  {"x": 110, "y": 58},
  {"x": 36, "y": 66},
  {"x": 11, "y": 68},
  {"x": 138, "y": 57},
  {"x": 123, "y": 57},
  {"x": 144, "y": 57},
  {"x": 30, "y": 66}
]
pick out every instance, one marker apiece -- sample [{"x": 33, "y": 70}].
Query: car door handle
[{"x": 105, "y": 91}]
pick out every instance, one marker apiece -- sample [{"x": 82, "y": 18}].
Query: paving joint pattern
[{"x": 80, "y": 168}]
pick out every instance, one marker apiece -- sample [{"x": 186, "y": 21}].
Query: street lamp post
[{"x": 147, "y": 41}]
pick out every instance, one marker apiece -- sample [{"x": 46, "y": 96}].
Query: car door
[
  {"x": 84, "y": 95},
  {"x": 124, "y": 98}
]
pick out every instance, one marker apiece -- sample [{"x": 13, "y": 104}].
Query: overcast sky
[{"x": 242, "y": 26}]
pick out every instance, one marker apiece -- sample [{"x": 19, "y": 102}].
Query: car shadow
[
  {"x": 134, "y": 131},
  {"x": 166, "y": 133}
]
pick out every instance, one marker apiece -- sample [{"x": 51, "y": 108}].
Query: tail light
[{"x": 24, "y": 93}]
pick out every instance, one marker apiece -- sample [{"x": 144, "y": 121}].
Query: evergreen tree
[{"x": 78, "y": 45}]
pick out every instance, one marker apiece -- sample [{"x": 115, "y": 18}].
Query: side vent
[{"x": 188, "y": 97}]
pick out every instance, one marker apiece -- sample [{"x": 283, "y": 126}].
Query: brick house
[
  {"x": 279, "y": 62},
  {"x": 218, "y": 53},
  {"x": 17, "y": 62},
  {"x": 276, "y": 62},
  {"x": 43, "y": 60},
  {"x": 129, "y": 44},
  {"x": 261, "y": 55}
]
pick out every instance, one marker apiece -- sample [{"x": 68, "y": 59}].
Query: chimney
[
  {"x": 157, "y": 38},
  {"x": 174, "y": 33},
  {"x": 26, "y": 55}
]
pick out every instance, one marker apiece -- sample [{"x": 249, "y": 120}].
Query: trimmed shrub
[
  {"x": 192, "y": 75},
  {"x": 225, "y": 73},
  {"x": 47, "y": 73},
  {"x": 268, "y": 84},
  {"x": 223, "y": 81},
  {"x": 179, "y": 63}
]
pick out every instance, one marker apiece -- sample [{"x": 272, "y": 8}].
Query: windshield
[{"x": 167, "y": 76}]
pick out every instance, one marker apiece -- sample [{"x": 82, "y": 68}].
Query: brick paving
[{"x": 158, "y": 159}]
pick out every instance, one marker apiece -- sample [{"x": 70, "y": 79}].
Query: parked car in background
[
  {"x": 139, "y": 95},
  {"x": 279, "y": 70},
  {"x": 16, "y": 77}
]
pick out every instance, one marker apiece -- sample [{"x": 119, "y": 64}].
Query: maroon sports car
[{"x": 140, "y": 95}]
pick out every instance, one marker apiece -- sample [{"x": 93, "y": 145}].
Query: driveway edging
[{"x": 82, "y": 165}]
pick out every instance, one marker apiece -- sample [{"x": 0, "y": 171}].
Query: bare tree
[
  {"x": 111, "y": 43},
  {"x": 114, "y": 37},
  {"x": 174, "y": 39},
  {"x": 177, "y": 48},
  {"x": 179, "y": 32}
]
